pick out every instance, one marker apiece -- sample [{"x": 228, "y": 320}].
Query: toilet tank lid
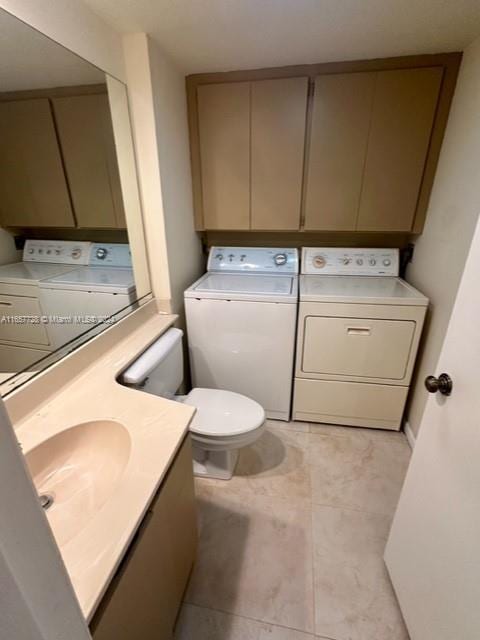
[{"x": 151, "y": 357}]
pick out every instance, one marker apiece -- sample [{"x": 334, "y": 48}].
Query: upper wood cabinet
[
  {"x": 86, "y": 138},
  {"x": 369, "y": 141},
  {"x": 340, "y": 125},
  {"x": 58, "y": 162},
  {"x": 278, "y": 117},
  {"x": 251, "y": 147},
  {"x": 33, "y": 190},
  {"x": 347, "y": 146},
  {"x": 401, "y": 126},
  {"x": 224, "y": 131}
]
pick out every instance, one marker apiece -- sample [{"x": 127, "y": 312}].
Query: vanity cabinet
[
  {"x": 251, "y": 143},
  {"x": 86, "y": 139},
  {"x": 342, "y": 147},
  {"x": 33, "y": 189},
  {"x": 144, "y": 597}
]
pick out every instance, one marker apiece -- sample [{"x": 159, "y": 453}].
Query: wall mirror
[{"x": 72, "y": 250}]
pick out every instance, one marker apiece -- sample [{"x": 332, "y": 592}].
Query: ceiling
[
  {"x": 219, "y": 35},
  {"x": 30, "y": 60}
]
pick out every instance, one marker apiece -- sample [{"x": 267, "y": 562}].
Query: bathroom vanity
[
  {"x": 117, "y": 465},
  {"x": 144, "y": 597}
]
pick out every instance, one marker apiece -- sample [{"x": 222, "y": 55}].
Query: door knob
[{"x": 443, "y": 384}]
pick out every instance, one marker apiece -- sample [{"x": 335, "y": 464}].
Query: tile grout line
[
  {"x": 355, "y": 509},
  {"x": 265, "y": 622}
]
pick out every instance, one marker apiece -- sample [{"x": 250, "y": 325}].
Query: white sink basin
[{"x": 79, "y": 468}]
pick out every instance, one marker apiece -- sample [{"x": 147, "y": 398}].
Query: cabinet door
[
  {"x": 278, "y": 116},
  {"x": 224, "y": 131},
  {"x": 402, "y": 119},
  {"x": 179, "y": 498},
  {"x": 144, "y": 598},
  {"x": 139, "y": 602},
  {"x": 86, "y": 138},
  {"x": 33, "y": 188},
  {"x": 338, "y": 145}
]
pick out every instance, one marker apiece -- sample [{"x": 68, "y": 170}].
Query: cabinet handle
[
  {"x": 5, "y": 304},
  {"x": 359, "y": 331}
]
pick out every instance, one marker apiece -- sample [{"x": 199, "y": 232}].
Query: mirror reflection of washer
[
  {"x": 359, "y": 326},
  {"x": 101, "y": 289},
  {"x": 241, "y": 322}
]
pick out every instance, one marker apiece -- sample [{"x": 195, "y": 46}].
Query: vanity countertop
[{"x": 156, "y": 428}]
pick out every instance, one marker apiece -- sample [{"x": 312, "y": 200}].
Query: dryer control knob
[
  {"x": 387, "y": 262},
  {"x": 319, "y": 262},
  {"x": 280, "y": 259}
]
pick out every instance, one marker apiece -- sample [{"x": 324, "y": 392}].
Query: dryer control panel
[
  {"x": 335, "y": 261},
  {"x": 253, "y": 260}
]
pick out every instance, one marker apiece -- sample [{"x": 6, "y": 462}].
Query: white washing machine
[
  {"x": 81, "y": 298},
  {"x": 241, "y": 323},
  {"x": 23, "y": 343},
  {"x": 359, "y": 327}
]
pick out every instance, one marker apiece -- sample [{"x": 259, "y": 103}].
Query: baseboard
[{"x": 409, "y": 434}]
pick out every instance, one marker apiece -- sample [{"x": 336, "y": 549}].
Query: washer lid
[
  {"x": 31, "y": 272},
  {"x": 363, "y": 289},
  {"x": 223, "y": 413},
  {"x": 259, "y": 288},
  {"x": 103, "y": 279}
]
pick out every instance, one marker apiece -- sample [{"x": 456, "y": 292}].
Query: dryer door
[{"x": 357, "y": 347}]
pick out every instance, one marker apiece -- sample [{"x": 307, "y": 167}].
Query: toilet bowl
[{"x": 224, "y": 421}]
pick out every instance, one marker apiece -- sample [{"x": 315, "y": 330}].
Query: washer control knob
[
  {"x": 347, "y": 260},
  {"x": 280, "y": 259},
  {"x": 76, "y": 253},
  {"x": 359, "y": 261},
  {"x": 30, "y": 251},
  {"x": 387, "y": 262},
  {"x": 219, "y": 256},
  {"x": 101, "y": 253},
  {"x": 372, "y": 261},
  {"x": 319, "y": 262},
  {"x": 58, "y": 252}
]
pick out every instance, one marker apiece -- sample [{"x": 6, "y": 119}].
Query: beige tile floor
[{"x": 291, "y": 548}]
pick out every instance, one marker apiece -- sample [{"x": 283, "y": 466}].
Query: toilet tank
[{"x": 159, "y": 370}]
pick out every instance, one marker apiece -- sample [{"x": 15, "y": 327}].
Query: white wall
[
  {"x": 185, "y": 260},
  {"x": 158, "y": 99},
  {"x": 76, "y": 27},
  {"x": 441, "y": 252}
]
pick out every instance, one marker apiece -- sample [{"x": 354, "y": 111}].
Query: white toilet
[{"x": 224, "y": 422}]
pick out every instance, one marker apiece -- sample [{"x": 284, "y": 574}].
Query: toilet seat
[{"x": 223, "y": 414}]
